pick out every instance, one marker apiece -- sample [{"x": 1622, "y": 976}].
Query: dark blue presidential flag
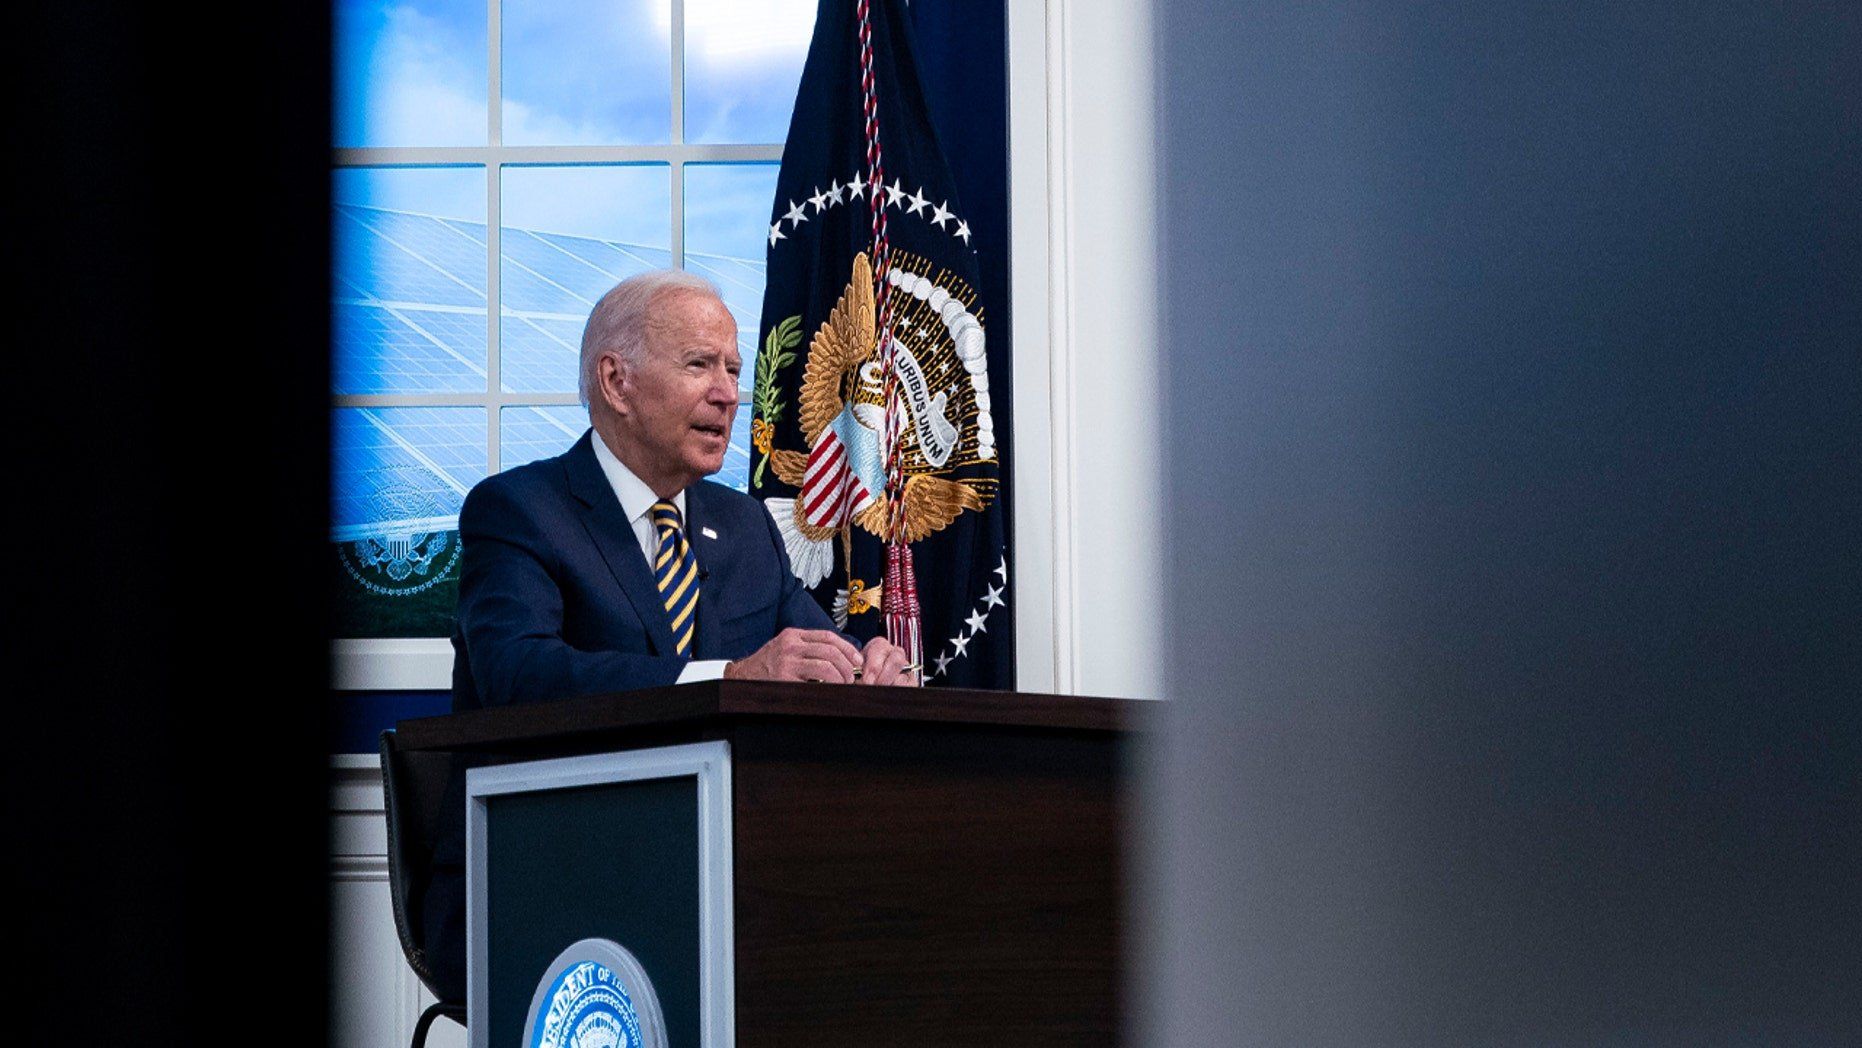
[{"x": 874, "y": 446}]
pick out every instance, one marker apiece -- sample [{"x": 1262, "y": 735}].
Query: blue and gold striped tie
[{"x": 676, "y": 572}]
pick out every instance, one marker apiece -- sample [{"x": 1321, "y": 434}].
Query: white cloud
[
  {"x": 628, "y": 204},
  {"x": 724, "y": 32},
  {"x": 421, "y": 90},
  {"x": 526, "y": 125}
]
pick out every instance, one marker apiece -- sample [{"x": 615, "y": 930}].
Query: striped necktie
[{"x": 676, "y": 572}]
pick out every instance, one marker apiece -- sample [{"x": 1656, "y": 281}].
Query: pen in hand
[{"x": 910, "y": 667}]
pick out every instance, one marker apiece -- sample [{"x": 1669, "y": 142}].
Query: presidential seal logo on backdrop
[
  {"x": 595, "y": 995},
  {"x": 408, "y": 548}
]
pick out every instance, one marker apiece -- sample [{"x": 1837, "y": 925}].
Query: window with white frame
[{"x": 499, "y": 164}]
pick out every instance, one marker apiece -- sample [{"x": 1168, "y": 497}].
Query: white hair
[{"x": 619, "y": 321}]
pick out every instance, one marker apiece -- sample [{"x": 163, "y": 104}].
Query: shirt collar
[{"x": 635, "y": 497}]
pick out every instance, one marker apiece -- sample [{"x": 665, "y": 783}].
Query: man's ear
[{"x": 611, "y": 381}]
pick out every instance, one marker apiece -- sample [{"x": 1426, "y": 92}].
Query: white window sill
[{"x": 424, "y": 664}]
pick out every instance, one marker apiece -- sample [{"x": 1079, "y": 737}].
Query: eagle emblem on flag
[{"x": 940, "y": 352}]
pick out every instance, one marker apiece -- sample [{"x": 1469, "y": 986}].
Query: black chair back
[{"x": 415, "y": 789}]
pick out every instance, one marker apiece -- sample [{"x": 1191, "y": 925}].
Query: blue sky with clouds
[
  {"x": 585, "y": 72},
  {"x": 575, "y": 72}
]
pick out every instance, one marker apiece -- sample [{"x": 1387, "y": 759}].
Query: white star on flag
[
  {"x": 834, "y": 192},
  {"x": 943, "y": 662},
  {"x": 818, "y": 199},
  {"x": 960, "y": 643},
  {"x": 775, "y": 233},
  {"x": 963, "y": 230},
  {"x": 856, "y": 187},
  {"x": 993, "y": 597},
  {"x": 940, "y": 215},
  {"x": 795, "y": 215},
  {"x": 975, "y": 622},
  {"x": 1002, "y": 568},
  {"x": 918, "y": 201},
  {"x": 894, "y": 194}
]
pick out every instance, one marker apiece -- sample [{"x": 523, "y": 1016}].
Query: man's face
[{"x": 678, "y": 403}]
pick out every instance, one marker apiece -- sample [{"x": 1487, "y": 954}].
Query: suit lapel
[
  {"x": 613, "y": 535},
  {"x": 709, "y": 552}
]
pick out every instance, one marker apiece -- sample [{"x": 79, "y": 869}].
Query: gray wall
[{"x": 1513, "y": 364}]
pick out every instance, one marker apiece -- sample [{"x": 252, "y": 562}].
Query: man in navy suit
[
  {"x": 558, "y": 595},
  {"x": 561, "y": 590}
]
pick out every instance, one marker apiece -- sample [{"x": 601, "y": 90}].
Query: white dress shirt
[{"x": 637, "y": 502}]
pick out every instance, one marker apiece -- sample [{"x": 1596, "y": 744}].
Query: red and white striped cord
[{"x": 901, "y": 589}]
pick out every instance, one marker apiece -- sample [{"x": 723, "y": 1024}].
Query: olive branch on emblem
[{"x": 767, "y": 399}]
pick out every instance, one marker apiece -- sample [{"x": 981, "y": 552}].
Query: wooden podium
[{"x": 800, "y": 864}]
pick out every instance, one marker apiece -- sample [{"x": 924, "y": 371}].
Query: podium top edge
[{"x": 723, "y": 701}]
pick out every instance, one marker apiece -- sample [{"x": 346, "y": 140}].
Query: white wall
[{"x": 1086, "y": 438}]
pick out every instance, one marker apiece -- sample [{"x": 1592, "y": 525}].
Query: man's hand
[
  {"x": 798, "y": 654},
  {"x": 882, "y": 662}
]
